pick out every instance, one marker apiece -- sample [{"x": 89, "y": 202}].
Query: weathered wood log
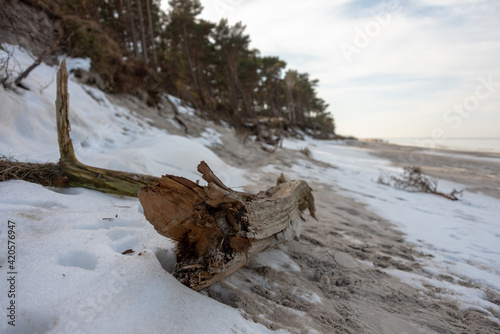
[
  {"x": 217, "y": 229},
  {"x": 78, "y": 174}
]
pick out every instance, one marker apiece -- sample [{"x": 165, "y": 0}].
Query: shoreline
[
  {"x": 436, "y": 145},
  {"x": 347, "y": 256},
  {"x": 477, "y": 153},
  {"x": 478, "y": 171}
]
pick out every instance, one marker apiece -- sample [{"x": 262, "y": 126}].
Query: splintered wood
[{"x": 218, "y": 229}]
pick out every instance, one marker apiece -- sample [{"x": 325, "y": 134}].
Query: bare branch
[{"x": 413, "y": 180}]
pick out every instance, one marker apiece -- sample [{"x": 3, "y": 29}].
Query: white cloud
[{"x": 426, "y": 58}]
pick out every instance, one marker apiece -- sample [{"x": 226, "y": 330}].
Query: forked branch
[{"x": 70, "y": 172}]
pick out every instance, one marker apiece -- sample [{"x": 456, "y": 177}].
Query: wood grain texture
[
  {"x": 78, "y": 174},
  {"x": 217, "y": 229}
]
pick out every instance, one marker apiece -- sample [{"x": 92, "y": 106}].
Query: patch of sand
[
  {"x": 479, "y": 171},
  {"x": 340, "y": 286}
]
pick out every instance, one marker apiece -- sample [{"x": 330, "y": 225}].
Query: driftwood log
[
  {"x": 218, "y": 229},
  {"x": 81, "y": 175},
  {"x": 69, "y": 171}
]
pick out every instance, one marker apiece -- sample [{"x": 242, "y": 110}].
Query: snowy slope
[
  {"x": 72, "y": 277},
  {"x": 71, "y": 274},
  {"x": 103, "y": 134}
]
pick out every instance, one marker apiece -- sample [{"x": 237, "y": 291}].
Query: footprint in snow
[
  {"x": 123, "y": 240},
  {"x": 78, "y": 258},
  {"x": 107, "y": 223},
  {"x": 166, "y": 258}
]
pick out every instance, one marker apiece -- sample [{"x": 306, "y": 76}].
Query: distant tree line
[{"x": 209, "y": 65}]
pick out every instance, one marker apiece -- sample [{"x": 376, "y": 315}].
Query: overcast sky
[{"x": 387, "y": 68}]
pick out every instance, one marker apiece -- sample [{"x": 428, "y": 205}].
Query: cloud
[{"x": 418, "y": 57}]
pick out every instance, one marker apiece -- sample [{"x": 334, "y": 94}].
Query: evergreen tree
[{"x": 208, "y": 65}]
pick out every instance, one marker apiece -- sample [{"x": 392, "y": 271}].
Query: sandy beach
[
  {"x": 479, "y": 171},
  {"x": 346, "y": 274},
  {"x": 342, "y": 256},
  {"x": 375, "y": 259}
]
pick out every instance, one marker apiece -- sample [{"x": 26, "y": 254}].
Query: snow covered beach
[{"x": 379, "y": 260}]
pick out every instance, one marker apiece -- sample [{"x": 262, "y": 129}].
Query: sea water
[{"x": 459, "y": 144}]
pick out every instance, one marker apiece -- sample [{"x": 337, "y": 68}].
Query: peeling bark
[
  {"x": 217, "y": 229},
  {"x": 78, "y": 174}
]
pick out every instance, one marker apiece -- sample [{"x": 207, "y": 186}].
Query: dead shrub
[
  {"x": 413, "y": 180},
  {"x": 9, "y": 67}
]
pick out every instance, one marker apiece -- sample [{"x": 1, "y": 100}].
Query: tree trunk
[
  {"x": 234, "y": 98},
  {"x": 289, "y": 97},
  {"x": 219, "y": 230},
  {"x": 248, "y": 112},
  {"x": 151, "y": 34},
  {"x": 132, "y": 29},
  {"x": 188, "y": 55},
  {"x": 143, "y": 32}
]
